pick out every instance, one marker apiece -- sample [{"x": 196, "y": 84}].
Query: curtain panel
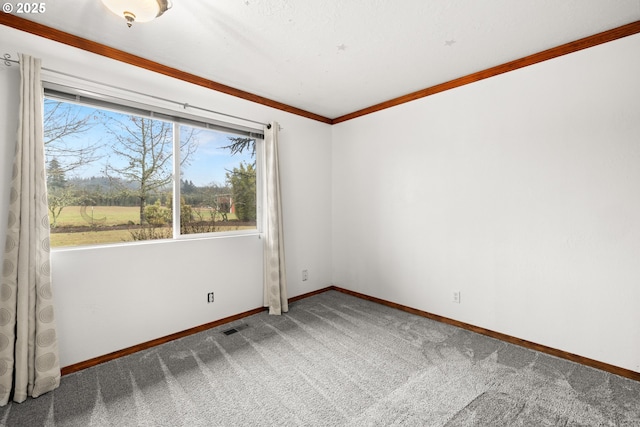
[
  {"x": 275, "y": 278},
  {"x": 29, "y": 362}
]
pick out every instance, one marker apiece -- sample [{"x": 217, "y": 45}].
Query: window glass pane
[
  {"x": 217, "y": 181},
  {"x": 109, "y": 175}
]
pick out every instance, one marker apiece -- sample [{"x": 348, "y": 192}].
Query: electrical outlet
[
  {"x": 456, "y": 297},
  {"x": 305, "y": 275},
  {"x": 210, "y": 297}
]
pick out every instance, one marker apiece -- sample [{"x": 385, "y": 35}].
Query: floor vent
[{"x": 234, "y": 330}]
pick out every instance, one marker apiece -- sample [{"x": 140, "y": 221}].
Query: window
[{"x": 121, "y": 173}]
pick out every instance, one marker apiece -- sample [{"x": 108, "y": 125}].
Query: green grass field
[
  {"x": 102, "y": 215},
  {"x": 109, "y": 216},
  {"x": 105, "y": 217}
]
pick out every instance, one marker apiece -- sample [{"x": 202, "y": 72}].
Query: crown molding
[
  {"x": 90, "y": 46},
  {"x": 574, "y": 46},
  {"x": 119, "y": 55}
]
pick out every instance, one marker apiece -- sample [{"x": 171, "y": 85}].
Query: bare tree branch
[
  {"x": 62, "y": 122},
  {"x": 144, "y": 152},
  {"x": 240, "y": 144}
]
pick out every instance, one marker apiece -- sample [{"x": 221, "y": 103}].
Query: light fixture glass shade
[{"x": 137, "y": 10}]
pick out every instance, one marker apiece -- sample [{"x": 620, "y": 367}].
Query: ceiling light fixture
[{"x": 138, "y": 10}]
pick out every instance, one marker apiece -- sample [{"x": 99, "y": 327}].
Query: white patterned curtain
[
  {"x": 29, "y": 363},
  {"x": 275, "y": 278}
]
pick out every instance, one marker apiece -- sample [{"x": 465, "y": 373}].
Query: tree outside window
[{"x": 110, "y": 177}]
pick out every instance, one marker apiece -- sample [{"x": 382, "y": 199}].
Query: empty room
[{"x": 227, "y": 213}]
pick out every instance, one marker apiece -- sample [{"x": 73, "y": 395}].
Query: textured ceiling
[{"x": 333, "y": 57}]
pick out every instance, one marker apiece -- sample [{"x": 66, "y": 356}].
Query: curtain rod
[{"x": 8, "y": 61}]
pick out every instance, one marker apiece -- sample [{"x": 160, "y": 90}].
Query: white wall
[
  {"x": 109, "y": 298},
  {"x": 521, "y": 191}
]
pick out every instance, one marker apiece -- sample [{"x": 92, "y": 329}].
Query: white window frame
[{"x": 107, "y": 98}]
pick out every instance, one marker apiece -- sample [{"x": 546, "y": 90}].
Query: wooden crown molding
[
  {"x": 584, "y": 43},
  {"x": 90, "y": 46},
  {"x": 119, "y": 55}
]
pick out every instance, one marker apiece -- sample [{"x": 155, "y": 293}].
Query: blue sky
[
  {"x": 206, "y": 166},
  {"x": 210, "y": 161}
]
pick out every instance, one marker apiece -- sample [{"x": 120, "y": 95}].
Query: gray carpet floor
[{"x": 335, "y": 360}]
